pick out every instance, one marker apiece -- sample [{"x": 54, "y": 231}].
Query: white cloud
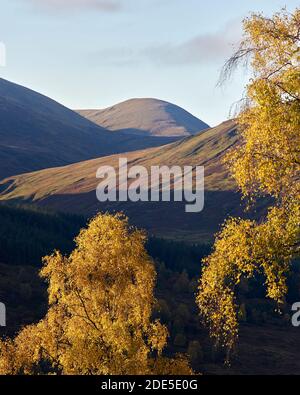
[{"x": 59, "y": 5}]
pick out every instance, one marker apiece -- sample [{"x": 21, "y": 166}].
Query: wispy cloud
[
  {"x": 202, "y": 49},
  {"x": 66, "y": 5}
]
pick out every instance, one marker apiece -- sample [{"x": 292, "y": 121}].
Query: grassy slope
[{"x": 72, "y": 188}]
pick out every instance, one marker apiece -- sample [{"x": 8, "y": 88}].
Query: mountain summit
[{"x": 150, "y": 117}]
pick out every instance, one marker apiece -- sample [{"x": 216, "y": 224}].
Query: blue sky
[{"x": 96, "y": 53}]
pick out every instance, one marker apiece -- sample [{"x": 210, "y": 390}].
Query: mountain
[
  {"x": 37, "y": 132},
  {"x": 72, "y": 188},
  {"x": 149, "y": 117}
]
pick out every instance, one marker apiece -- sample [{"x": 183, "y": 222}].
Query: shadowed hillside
[
  {"x": 72, "y": 188},
  {"x": 149, "y": 117},
  {"x": 37, "y": 132}
]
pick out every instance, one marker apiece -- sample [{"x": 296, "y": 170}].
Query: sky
[{"x": 96, "y": 53}]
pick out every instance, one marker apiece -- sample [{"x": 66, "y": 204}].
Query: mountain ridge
[{"x": 37, "y": 132}]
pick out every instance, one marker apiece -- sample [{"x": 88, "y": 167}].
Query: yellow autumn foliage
[
  {"x": 100, "y": 307},
  {"x": 266, "y": 162}
]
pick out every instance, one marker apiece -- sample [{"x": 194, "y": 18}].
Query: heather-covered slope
[{"x": 72, "y": 188}]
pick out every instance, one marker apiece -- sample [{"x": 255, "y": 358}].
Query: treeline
[
  {"x": 178, "y": 256},
  {"x": 27, "y": 234}
]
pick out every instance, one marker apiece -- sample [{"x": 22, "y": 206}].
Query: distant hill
[
  {"x": 37, "y": 132},
  {"x": 72, "y": 188},
  {"x": 149, "y": 117}
]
